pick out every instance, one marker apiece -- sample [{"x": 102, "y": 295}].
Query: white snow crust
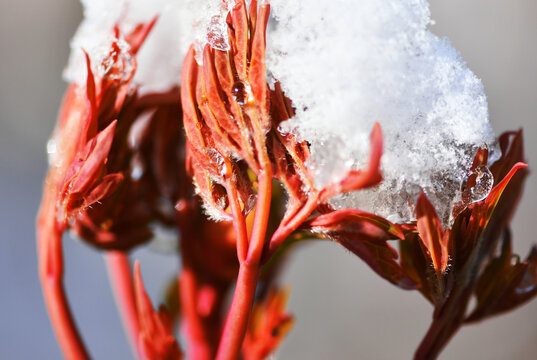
[
  {"x": 180, "y": 23},
  {"x": 348, "y": 64}
]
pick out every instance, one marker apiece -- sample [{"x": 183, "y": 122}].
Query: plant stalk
[
  {"x": 50, "y": 256},
  {"x": 120, "y": 276},
  {"x": 243, "y": 297}
]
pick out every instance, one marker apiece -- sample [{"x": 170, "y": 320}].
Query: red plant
[
  {"x": 473, "y": 258},
  {"x": 123, "y": 165}
]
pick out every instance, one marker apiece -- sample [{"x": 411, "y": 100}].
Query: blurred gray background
[{"x": 343, "y": 310}]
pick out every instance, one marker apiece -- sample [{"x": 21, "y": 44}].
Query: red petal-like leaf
[
  {"x": 360, "y": 179},
  {"x": 269, "y": 324},
  {"x": 90, "y": 124},
  {"x": 92, "y": 165},
  {"x": 239, "y": 20},
  {"x": 191, "y": 120},
  {"x": 138, "y": 35},
  {"x": 83, "y": 175},
  {"x": 503, "y": 285},
  {"x": 492, "y": 199},
  {"x": 433, "y": 237},
  {"x": 106, "y": 186},
  {"x": 213, "y": 195},
  {"x": 512, "y": 146},
  {"x": 257, "y": 73},
  {"x": 365, "y": 235},
  {"x": 156, "y": 339},
  {"x": 417, "y": 265}
]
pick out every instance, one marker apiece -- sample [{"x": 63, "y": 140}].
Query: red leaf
[
  {"x": 90, "y": 122},
  {"x": 213, "y": 195},
  {"x": 257, "y": 73},
  {"x": 213, "y": 108},
  {"x": 512, "y": 146},
  {"x": 155, "y": 338},
  {"x": 503, "y": 285},
  {"x": 82, "y": 176},
  {"x": 359, "y": 221},
  {"x": 138, "y": 35},
  {"x": 106, "y": 186},
  {"x": 432, "y": 236},
  {"x": 239, "y": 20},
  {"x": 191, "y": 120},
  {"x": 269, "y": 324},
  {"x": 417, "y": 265},
  {"x": 492, "y": 199},
  {"x": 360, "y": 179},
  {"x": 365, "y": 235}
]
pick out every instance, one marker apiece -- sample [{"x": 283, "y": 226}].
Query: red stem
[
  {"x": 239, "y": 223},
  {"x": 433, "y": 343},
  {"x": 120, "y": 275},
  {"x": 198, "y": 344},
  {"x": 286, "y": 228},
  {"x": 243, "y": 297},
  {"x": 239, "y": 312},
  {"x": 50, "y": 255}
]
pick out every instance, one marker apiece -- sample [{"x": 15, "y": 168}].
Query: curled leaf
[
  {"x": 268, "y": 326},
  {"x": 433, "y": 237},
  {"x": 504, "y": 285},
  {"x": 360, "y": 179},
  {"x": 365, "y": 235},
  {"x": 156, "y": 339}
]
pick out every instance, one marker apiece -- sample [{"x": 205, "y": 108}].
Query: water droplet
[
  {"x": 515, "y": 260},
  {"x": 52, "y": 149},
  {"x": 477, "y": 185},
  {"x": 137, "y": 168},
  {"x": 250, "y": 203},
  {"x": 136, "y": 173},
  {"x": 238, "y": 91}
]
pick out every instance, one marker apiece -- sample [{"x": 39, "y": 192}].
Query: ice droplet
[
  {"x": 216, "y": 37},
  {"x": 51, "y": 150},
  {"x": 52, "y": 153},
  {"x": 136, "y": 172},
  {"x": 477, "y": 185},
  {"x": 242, "y": 92},
  {"x": 250, "y": 203},
  {"x": 238, "y": 92},
  {"x": 137, "y": 168},
  {"x": 218, "y": 162}
]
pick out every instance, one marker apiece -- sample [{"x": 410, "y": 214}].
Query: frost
[
  {"x": 375, "y": 61},
  {"x": 180, "y": 23}
]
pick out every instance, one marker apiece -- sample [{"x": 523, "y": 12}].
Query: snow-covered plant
[{"x": 337, "y": 120}]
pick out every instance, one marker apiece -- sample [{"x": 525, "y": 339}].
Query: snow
[
  {"x": 347, "y": 65},
  {"x": 180, "y": 23}
]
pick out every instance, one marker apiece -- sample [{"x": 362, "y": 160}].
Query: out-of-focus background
[{"x": 343, "y": 310}]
